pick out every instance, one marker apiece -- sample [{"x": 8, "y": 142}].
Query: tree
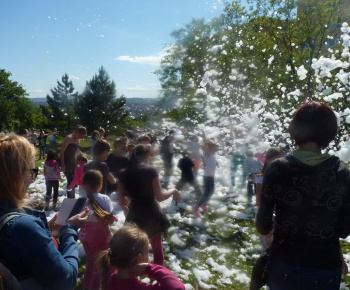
[
  {"x": 61, "y": 104},
  {"x": 16, "y": 110},
  {"x": 98, "y": 106}
]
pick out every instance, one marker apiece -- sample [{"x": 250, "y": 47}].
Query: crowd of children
[{"x": 125, "y": 255}]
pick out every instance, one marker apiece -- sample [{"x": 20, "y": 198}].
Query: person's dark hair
[
  {"x": 144, "y": 138},
  {"x": 272, "y": 152},
  {"x": 138, "y": 154},
  {"x": 101, "y": 146},
  {"x": 82, "y": 157},
  {"x": 124, "y": 248},
  {"x": 80, "y": 130},
  {"x": 92, "y": 182},
  {"x": 22, "y": 132},
  {"x": 120, "y": 141},
  {"x": 313, "y": 122},
  {"x": 51, "y": 155},
  {"x": 185, "y": 153}
]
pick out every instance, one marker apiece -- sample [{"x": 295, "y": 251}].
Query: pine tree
[
  {"x": 98, "y": 106},
  {"x": 62, "y": 104}
]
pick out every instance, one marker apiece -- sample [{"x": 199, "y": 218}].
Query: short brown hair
[
  {"x": 80, "y": 130},
  {"x": 313, "y": 122},
  {"x": 16, "y": 155},
  {"x": 101, "y": 146}
]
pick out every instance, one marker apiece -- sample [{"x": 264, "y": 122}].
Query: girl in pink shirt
[
  {"x": 95, "y": 234},
  {"x": 78, "y": 174},
  {"x": 127, "y": 258}
]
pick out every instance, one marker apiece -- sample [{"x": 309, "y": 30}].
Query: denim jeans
[
  {"x": 288, "y": 277},
  {"x": 208, "y": 183}
]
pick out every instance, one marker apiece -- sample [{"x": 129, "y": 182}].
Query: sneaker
[
  {"x": 204, "y": 208},
  {"x": 196, "y": 213}
]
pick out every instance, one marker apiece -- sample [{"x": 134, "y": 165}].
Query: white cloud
[
  {"x": 149, "y": 60},
  {"x": 74, "y": 78}
]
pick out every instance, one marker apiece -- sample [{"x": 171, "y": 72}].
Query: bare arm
[
  {"x": 205, "y": 144},
  {"x": 161, "y": 195},
  {"x": 64, "y": 146},
  {"x": 111, "y": 179}
]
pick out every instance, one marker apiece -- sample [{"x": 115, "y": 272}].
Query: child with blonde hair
[
  {"x": 127, "y": 258},
  {"x": 95, "y": 234}
]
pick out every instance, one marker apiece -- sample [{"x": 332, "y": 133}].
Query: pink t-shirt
[{"x": 164, "y": 277}]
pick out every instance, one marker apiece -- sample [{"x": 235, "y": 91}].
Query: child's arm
[
  {"x": 205, "y": 144},
  {"x": 165, "y": 278},
  {"x": 75, "y": 180},
  {"x": 161, "y": 195},
  {"x": 122, "y": 200}
]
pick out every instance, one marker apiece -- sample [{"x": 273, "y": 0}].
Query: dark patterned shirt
[{"x": 312, "y": 207}]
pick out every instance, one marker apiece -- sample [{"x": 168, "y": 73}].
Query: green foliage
[
  {"x": 247, "y": 54},
  {"x": 98, "y": 106},
  {"x": 16, "y": 110}
]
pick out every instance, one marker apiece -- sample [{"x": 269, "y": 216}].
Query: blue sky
[{"x": 43, "y": 39}]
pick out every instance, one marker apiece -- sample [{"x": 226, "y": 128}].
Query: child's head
[
  {"x": 127, "y": 247},
  {"x": 140, "y": 153},
  {"x": 82, "y": 159},
  {"x": 51, "y": 155},
  {"x": 92, "y": 181},
  {"x": 95, "y": 135},
  {"x": 185, "y": 153},
  {"x": 120, "y": 144},
  {"x": 212, "y": 146},
  {"x": 273, "y": 153},
  {"x": 144, "y": 140},
  {"x": 42, "y": 133},
  {"x": 249, "y": 153},
  {"x": 101, "y": 148}
]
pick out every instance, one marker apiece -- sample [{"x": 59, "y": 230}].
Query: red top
[{"x": 164, "y": 277}]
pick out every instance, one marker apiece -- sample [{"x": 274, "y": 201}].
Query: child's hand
[
  {"x": 176, "y": 195},
  {"x": 78, "y": 220},
  {"x": 139, "y": 269}
]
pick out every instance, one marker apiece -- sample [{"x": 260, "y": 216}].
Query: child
[
  {"x": 78, "y": 174},
  {"x": 271, "y": 154},
  {"x": 100, "y": 154},
  {"x": 186, "y": 166},
  {"x": 128, "y": 253},
  {"x": 96, "y": 233},
  {"x": 251, "y": 167},
  {"x": 209, "y": 160},
  {"x": 42, "y": 144},
  {"x": 52, "y": 177}
]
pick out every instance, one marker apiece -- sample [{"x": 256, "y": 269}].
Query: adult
[
  {"x": 140, "y": 183},
  {"x": 53, "y": 139},
  {"x": 117, "y": 161},
  {"x": 32, "y": 137},
  {"x": 27, "y": 246},
  {"x": 68, "y": 155},
  {"x": 309, "y": 191},
  {"x": 167, "y": 154}
]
